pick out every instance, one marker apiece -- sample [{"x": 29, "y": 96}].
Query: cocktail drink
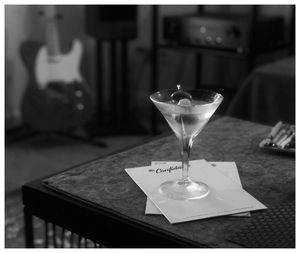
[{"x": 186, "y": 113}]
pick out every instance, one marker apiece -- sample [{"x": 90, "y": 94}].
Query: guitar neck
[{"x": 52, "y": 36}]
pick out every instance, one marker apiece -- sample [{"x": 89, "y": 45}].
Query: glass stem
[{"x": 186, "y": 145}]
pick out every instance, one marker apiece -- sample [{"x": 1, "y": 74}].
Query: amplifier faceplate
[{"x": 215, "y": 31}]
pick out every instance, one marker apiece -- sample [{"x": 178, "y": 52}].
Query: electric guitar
[{"x": 57, "y": 98}]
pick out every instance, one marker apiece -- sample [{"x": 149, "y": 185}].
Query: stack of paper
[{"x": 226, "y": 197}]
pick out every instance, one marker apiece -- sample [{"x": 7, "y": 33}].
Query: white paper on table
[
  {"x": 229, "y": 169},
  {"x": 226, "y": 196}
]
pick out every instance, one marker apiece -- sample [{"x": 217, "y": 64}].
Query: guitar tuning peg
[
  {"x": 41, "y": 13},
  {"x": 59, "y": 16}
]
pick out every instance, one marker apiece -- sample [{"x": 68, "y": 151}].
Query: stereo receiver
[{"x": 222, "y": 31}]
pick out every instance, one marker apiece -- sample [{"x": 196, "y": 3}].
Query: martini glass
[{"x": 186, "y": 113}]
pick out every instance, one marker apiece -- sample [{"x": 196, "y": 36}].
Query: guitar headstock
[{"x": 49, "y": 12}]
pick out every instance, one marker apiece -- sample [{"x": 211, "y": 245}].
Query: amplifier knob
[
  {"x": 78, "y": 93},
  {"x": 219, "y": 40},
  {"x": 208, "y": 39},
  {"x": 80, "y": 107},
  {"x": 203, "y": 29},
  {"x": 240, "y": 50}
]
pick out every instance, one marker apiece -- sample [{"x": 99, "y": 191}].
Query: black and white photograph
[{"x": 149, "y": 125}]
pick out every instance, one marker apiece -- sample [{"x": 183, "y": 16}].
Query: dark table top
[{"x": 103, "y": 183}]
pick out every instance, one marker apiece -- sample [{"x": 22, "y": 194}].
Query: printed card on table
[
  {"x": 226, "y": 196},
  {"x": 229, "y": 169}
]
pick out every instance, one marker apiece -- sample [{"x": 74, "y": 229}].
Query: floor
[{"x": 39, "y": 156}]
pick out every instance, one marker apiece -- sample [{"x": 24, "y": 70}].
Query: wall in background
[
  {"x": 23, "y": 23},
  {"x": 17, "y": 29}
]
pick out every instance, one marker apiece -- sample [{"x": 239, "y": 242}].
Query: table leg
[{"x": 28, "y": 222}]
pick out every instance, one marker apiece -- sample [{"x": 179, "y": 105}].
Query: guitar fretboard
[{"x": 52, "y": 38}]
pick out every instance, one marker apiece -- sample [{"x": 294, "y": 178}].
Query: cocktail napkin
[
  {"x": 229, "y": 169},
  {"x": 226, "y": 196}
]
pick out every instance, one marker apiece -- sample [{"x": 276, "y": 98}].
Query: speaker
[{"x": 109, "y": 22}]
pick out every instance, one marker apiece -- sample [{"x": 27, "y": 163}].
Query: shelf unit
[{"x": 199, "y": 51}]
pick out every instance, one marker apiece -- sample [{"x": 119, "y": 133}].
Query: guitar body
[{"x": 56, "y": 98}]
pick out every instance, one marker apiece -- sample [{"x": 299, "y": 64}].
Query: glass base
[{"x": 184, "y": 189}]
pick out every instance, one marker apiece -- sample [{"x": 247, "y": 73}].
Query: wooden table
[{"x": 99, "y": 201}]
